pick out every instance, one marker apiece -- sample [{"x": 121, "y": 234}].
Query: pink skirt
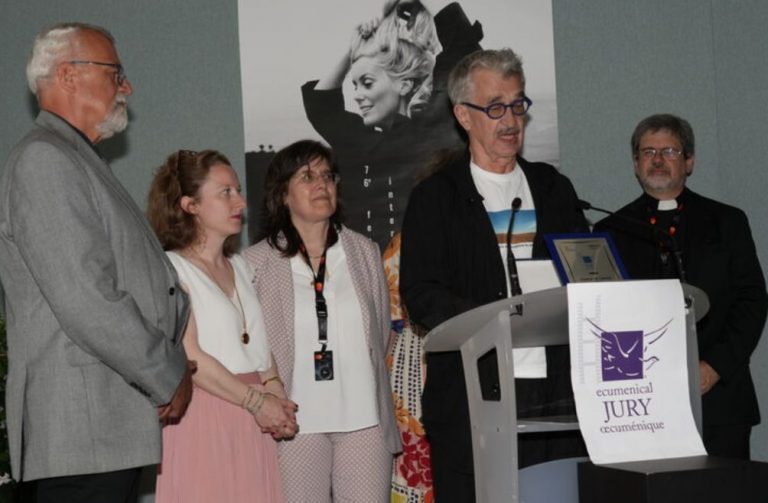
[{"x": 217, "y": 452}]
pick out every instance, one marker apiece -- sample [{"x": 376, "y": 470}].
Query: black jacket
[
  {"x": 450, "y": 260},
  {"x": 718, "y": 256},
  {"x": 450, "y": 263}
]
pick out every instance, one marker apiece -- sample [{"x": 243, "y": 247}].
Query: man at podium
[
  {"x": 672, "y": 232},
  {"x": 454, "y": 257}
]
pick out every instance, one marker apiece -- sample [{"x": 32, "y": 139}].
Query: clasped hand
[{"x": 277, "y": 416}]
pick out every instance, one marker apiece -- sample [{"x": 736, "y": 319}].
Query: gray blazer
[
  {"x": 274, "y": 285},
  {"x": 94, "y": 312}
]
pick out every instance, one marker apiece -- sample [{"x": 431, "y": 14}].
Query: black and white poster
[{"x": 368, "y": 78}]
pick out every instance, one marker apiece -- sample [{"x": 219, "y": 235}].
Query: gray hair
[
  {"x": 504, "y": 61},
  {"x": 51, "y": 46},
  {"x": 676, "y": 126}
]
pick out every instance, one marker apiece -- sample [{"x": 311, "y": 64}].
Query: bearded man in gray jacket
[{"x": 94, "y": 310}]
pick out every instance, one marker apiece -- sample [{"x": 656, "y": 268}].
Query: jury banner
[{"x": 629, "y": 370}]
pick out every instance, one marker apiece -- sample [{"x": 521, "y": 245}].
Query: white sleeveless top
[{"x": 219, "y": 319}]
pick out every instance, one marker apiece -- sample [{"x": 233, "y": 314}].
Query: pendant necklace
[{"x": 244, "y": 338}]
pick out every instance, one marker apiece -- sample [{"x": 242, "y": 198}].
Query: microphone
[
  {"x": 514, "y": 280},
  {"x": 584, "y": 205},
  {"x": 659, "y": 233}
]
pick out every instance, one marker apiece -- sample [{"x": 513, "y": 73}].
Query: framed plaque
[{"x": 585, "y": 257}]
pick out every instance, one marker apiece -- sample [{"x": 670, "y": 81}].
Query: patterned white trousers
[{"x": 336, "y": 467}]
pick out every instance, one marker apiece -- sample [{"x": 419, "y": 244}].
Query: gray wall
[
  {"x": 181, "y": 57},
  {"x": 617, "y": 61}
]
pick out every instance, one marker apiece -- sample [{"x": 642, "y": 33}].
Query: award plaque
[{"x": 585, "y": 257}]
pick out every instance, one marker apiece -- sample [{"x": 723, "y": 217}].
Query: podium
[{"x": 495, "y": 426}]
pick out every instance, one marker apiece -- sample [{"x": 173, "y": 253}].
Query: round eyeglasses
[
  {"x": 496, "y": 111},
  {"x": 668, "y": 153}
]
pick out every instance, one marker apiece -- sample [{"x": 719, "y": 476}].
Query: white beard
[{"x": 117, "y": 119}]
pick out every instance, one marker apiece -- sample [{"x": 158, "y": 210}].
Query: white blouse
[
  {"x": 348, "y": 402},
  {"x": 220, "y": 320}
]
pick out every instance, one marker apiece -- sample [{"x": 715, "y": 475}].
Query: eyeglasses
[
  {"x": 120, "y": 71},
  {"x": 309, "y": 177},
  {"x": 668, "y": 153},
  {"x": 497, "y": 110}
]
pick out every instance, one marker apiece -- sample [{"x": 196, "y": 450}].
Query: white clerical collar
[{"x": 666, "y": 205}]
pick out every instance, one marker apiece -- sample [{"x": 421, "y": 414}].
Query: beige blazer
[{"x": 274, "y": 285}]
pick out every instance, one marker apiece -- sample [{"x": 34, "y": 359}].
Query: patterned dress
[{"x": 411, "y": 474}]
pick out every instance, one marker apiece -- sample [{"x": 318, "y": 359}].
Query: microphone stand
[
  {"x": 665, "y": 236},
  {"x": 514, "y": 279}
]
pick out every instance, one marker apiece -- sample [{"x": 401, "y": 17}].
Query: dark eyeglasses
[
  {"x": 497, "y": 110},
  {"x": 119, "y": 70}
]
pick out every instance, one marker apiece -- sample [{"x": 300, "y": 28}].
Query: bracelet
[
  {"x": 273, "y": 378},
  {"x": 248, "y": 397},
  {"x": 255, "y": 398},
  {"x": 254, "y": 407}
]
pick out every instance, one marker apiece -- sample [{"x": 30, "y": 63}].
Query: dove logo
[{"x": 626, "y": 355}]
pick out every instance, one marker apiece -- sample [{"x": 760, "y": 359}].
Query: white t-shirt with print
[{"x": 498, "y": 191}]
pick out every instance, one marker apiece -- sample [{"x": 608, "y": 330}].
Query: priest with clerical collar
[{"x": 672, "y": 232}]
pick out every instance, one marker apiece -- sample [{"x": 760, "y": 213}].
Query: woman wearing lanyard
[{"x": 326, "y": 311}]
